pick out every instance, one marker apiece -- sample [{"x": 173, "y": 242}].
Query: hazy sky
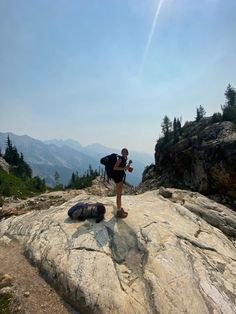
[{"x": 108, "y": 71}]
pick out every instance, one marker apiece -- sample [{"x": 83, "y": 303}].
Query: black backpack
[
  {"x": 82, "y": 211},
  {"x": 109, "y": 162}
]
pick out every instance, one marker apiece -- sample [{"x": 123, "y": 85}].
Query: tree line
[
  {"x": 173, "y": 129},
  {"x": 77, "y": 181}
]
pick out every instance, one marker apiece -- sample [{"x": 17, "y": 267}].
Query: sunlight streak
[{"x": 160, "y": 3}]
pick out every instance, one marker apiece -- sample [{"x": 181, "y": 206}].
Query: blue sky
[{"x": 108, "y": 71}]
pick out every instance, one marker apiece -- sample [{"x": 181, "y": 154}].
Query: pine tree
[
  {"x": 229, "y": 109},
  {"x": 19, "y": 167},
  {"x": 166, "y": 126},
  {"x": 11, "y": 154},
  {"x": 57, "y": 178},
  {"x": 200, "y": 113},
  {"x": 176, "y": 129},
  {"x": 178, "y": 125},
  {"x": 80, "y": 182},
  {"x": 217, "y": 117},
  {"x": 230, "y": 95}
]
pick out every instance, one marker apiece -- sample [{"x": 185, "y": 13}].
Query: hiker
[{"x": 119, "y": 177}]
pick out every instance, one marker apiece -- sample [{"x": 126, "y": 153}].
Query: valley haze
[{"x": 68, "y": 156}]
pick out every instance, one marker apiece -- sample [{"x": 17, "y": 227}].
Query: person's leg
[
  {"x": 119, "y": 188},
  {"x": 120, "y": 212}
]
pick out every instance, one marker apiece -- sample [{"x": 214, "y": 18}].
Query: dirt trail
[{"x": 31, "y": 293}]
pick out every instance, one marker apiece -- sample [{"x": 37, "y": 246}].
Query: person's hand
[{"x": 130, "y": 169}]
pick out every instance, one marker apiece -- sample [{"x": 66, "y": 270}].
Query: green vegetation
[
  {"x": 229, "y": 109},
  {"x": 81, "y": 182},
  {"x": 217, "y": 117},
  {"x": 18, "y": 166},
  {"x": 200, "y": 113},
  {"x": 5, "y": 300},
  {"x": 11, "y": 185},
  {"x": 172, "y": 131},
  {"x": 177, "y": 131},
  {"x": 58, "y": 185},
  {"x": 19, "y": 181},
  {"x": 166, "y": 126}
]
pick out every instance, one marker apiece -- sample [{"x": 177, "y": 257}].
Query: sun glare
[{"x": 149, "y": 41}]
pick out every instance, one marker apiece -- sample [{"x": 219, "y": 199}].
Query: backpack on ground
[
  {"x": 109, "y": 163},
  {"x": 82, "y": 211}
]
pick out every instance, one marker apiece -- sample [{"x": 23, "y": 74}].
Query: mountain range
[{"x": 68, "y": 156}]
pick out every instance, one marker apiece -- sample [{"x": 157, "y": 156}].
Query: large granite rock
[
  {"x": 203, "y": 160},
  {"x": 171, "y": 255}
]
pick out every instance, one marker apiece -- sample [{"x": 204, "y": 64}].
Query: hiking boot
[
  {"x": 124, "y": 211},
  {"x": 121, "y": 214}
]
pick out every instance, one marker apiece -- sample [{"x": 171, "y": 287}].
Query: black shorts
[{"x": 118, "y": 176}]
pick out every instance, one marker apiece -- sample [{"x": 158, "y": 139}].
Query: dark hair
[{"x": 126, "y": 150}]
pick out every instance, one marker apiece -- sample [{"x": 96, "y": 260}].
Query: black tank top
[{"x": 123, "y": 161}]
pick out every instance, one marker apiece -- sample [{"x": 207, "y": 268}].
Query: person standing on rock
[{"x": 119, "y": 177}]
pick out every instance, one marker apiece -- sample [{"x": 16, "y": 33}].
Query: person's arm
[{"x": 117, "y": 165}]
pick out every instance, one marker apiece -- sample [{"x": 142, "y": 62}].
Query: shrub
[{"x": 217, "y": 117}]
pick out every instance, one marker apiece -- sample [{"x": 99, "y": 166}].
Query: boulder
[{"x": 165, "y": 192}]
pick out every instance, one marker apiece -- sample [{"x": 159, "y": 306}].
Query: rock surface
[
  {"x": 203, "y": 160},
  {"x": 174, "y": 255},
  {"x": 15, "y": 207},
  {"x": 4, "y": 165}
]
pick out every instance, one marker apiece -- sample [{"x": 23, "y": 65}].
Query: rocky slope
[
  {"x": 203, "y": 160},
  {"x": 4, "y": 165},
  {"x": 173, "y": 254}
]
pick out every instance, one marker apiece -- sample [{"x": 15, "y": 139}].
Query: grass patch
[
  {"x": 10, "y": 185},
  {"x": 5, "y": 301}
]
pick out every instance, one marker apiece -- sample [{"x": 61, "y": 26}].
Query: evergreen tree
[
  {"x": 176, "y": 129},
  {"x": 200, "y": 113},
  {"x": 166, "y": 126},
  {"x": 217, "y": 117},
  {"x": 19, "y": 167},
  {"x": 80, "y": 182},
  {"x": 58, "y": 185},
  {"x": 73, "y": 178},
  {"x": 178, "y": 126},
  {"x": 230, "y": 95},
  {"x": 22, "y": 170},
  {"x": 38, "y": 184},
  {"x": 11, "y": 154},
  {"x": 57, "y": 178},
  {"x": 229, "y": 109}
]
